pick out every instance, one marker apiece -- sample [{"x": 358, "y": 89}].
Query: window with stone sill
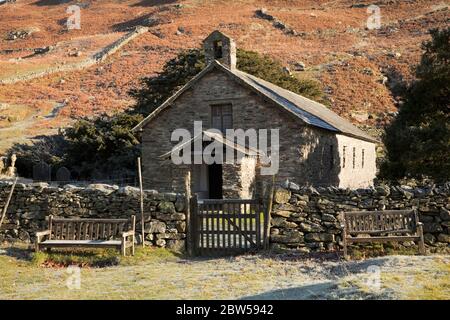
[
  {"x": 344, "y": 149},
  {"x": 362, "y": 158},
  {"x": 354, "y": 157},
  {"x": 222, "y": 117}
]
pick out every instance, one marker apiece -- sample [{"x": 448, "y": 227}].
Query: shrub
[
  {"x": 179, "y": 70},
  {"x": 106, "y": 144},
  {"x": 418, "y": 140}
]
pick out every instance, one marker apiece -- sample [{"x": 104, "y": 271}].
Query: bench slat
[
  {"x": 87, "y": 229},
  {"x": 382, "y": 212},
  {"x": 379, "y": 220},
  {"x": 81, "y": 243},
  {"x": 90, "y": 220},
  {"x": 87, "y": 242},
  {"x": 382, "y": 226},
  {"x": 78, "y": 232},
  {"x": 382, "y": 239},
  {"x": 381, "y": 231}
]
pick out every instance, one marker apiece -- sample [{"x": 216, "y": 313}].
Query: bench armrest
[
  {"x": 419, "y": 227},
  {"x": 42, "y": 234},
  {"x": 127, "y": 234}
]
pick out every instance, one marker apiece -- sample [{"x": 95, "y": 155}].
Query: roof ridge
[
  {"x": 330, "y": 113},
  {"x": 310, "y": 115}
]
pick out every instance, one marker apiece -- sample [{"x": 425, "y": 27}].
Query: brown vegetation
[{"x": 334, "y": 45}]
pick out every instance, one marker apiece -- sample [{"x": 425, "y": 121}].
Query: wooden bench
[
  {"x": 88, "y": 233},
  {"x": 382, "y": 226}
]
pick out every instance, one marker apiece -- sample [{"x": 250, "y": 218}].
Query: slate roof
[
  {"x": 309, "y": 111},
  {"x": 219, "y": 138}
]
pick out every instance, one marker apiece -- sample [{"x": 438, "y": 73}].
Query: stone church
[{"x": 316, "y": 146}]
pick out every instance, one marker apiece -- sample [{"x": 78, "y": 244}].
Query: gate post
[
  {"x": 268, "y": 214},
  {"x": 187, "y": 188},
  {"x": 193, "y": 228}
]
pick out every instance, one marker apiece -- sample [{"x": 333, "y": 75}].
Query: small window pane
[
  {"x": 222, "y": 117},
  {"x": 227, "y": 122},
  {"x": 343, "y": 156},
  {"x": 226, "y": 109},
  {"x": 215, "y": 111},
  {"x": 217, "y": 123}
]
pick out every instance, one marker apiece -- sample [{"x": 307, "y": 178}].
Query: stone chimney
[{"x": 220, "y": 47}]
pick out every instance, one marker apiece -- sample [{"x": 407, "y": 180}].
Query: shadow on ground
[
  {"x": 19, "y": 253},
  {"x": 145, "y": 20},
  {"x": 152, "y": 3},
  {"x": 309, "y": 292},
  {"x": 319, "y": 291},
  {"x": 51, "y": 2}
]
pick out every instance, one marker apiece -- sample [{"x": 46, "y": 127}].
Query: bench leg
[
  {"x": 36, "y": 247},
  {"x": 346, "y": 257},
  {"x": 132, "y": 247},
  {"x": 421, "y": 240},
  {"x": 344, "y": 241},
  {"x": 123, "y": 249},
  {"x": 421, "y": 247}
]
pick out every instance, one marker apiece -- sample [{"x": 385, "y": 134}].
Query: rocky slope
[{"x": 360, "y": 69}]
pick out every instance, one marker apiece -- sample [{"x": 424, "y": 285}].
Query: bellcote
[{"x": 220, "y": 47}]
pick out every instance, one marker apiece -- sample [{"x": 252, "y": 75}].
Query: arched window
[{"x": 218, "y": 49}]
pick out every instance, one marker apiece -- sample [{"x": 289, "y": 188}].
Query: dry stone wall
[
  {"x": 309, "y": 219},
  {"x": 165, "y": 224},
  {"x": 306, "y": 219},
  {"x": 86, "y": 63}
]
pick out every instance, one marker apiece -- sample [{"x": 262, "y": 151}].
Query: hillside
[{"x": 51, "y": 76}]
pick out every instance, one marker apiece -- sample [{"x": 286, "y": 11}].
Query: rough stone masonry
[
  {"x": 32, "y": 203},
  {"x": 305, "y": 219},
  {"x": 309, "y": 219}
]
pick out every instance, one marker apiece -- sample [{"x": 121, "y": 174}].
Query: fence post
[
  {"x": 142, "y": 202},
  {"x": 8, "y": 200},
  {"x": 268, "y": 214},
  {"x": 187, "y": 189},
  {"x": 193, "y": 225}
]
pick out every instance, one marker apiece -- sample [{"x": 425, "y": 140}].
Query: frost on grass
[
  {"x": 401, "y": 277},
  {"x": 161, "y": 274}
]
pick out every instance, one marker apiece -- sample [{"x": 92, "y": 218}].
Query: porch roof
[{"x": 219, "y": 138}]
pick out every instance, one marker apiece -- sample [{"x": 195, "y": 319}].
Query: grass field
[{"x": 162, "y": 274}]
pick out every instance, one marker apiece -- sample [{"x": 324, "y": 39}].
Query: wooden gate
[{"x": 228, "y": 226}]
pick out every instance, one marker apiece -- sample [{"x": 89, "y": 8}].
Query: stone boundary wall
[
  {"x": 277, "y": 23},
  {"x": 304, "y": 219},
  {"x": 32, "y": 203},
  {"x": 86, "y": 63},
  {"x": 309, "y": 219}
]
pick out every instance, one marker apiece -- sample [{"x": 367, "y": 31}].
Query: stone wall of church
[
  {"x": 308, "y": 155},
  {"x": 357, "y": 162}
]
